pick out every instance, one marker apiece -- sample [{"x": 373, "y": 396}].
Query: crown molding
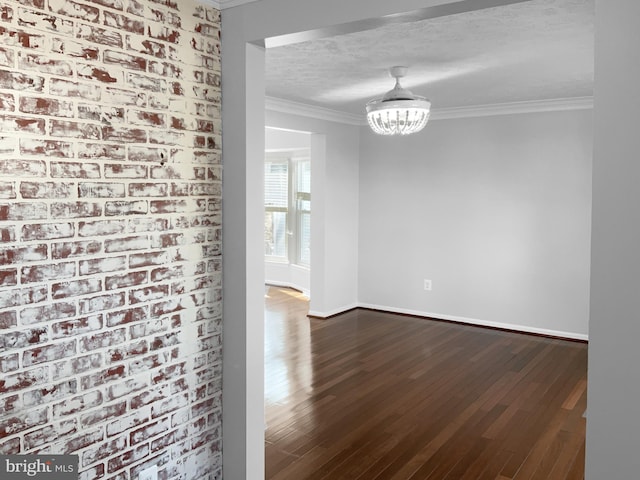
[
  {"x": 313, "y": 111},
  {"x": 536, "y": 106}
]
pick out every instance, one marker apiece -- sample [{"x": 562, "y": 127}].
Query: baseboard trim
[
  {"x": 332, "y": 313},
  {"x": 481, "y": 323}
]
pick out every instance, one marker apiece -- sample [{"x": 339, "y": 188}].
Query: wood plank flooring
[{"x": 368, "y": 395}]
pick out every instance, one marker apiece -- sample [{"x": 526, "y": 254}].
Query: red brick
[
  {"x": 7, "y": 190},
  {"x": 10, "y": 447},
  {"x": 124, "y": 134},
  {"x": 101, "y": 151},
  {"x": 75, "y": 288},
  {"x": 150, "y": 224},
  {"x": 50, "y": 393},
  {"x": 9, "y": 363},
  {"x": 118, "y": 96},
  {"x": 43, "y": 21},
  {"x": 74, "y": 366},
  {"x": 101, "y": 340},
  {"x": 76, "y": 326},
  {"x": 107, "y": 412},
  {"x": 23, "y": 380},
  {"x": 47, "y": 231},
  {"x": 75, "y": 249},
  {"x": 177, "y": 206},
  {"x": 44, "y": 64},
  {"x": 22, "y": 39},
  {"x": 116, "y": 463},
  {"x": 8, "y": 278},
  {"x": 101, "y": 190},
  {"x": 22, "y": 296},
  {"x": 146, "y": 294},
  {"x": 123, "y": 22},
  {"x": 42, "y": 190},
  {"x": 169, "y": 373},
  {"x": 177, "y": 271},
  {"x": 85, "y": 131},
  {"x": 99, "y": 35},
  {"x": 21, "y": 81},
  {"x": 23, "y": 421},
  {"x": 175, "y": 402},
  {"x": 75, "y": 170},
  {"x": 104, "y": 450},
  {"x": 98, "y": 265},
  {"x": 147, "y": 189},
  {"x": 125, "y": 171},
  {"x": 148, "y": 431},
  {"x": 165, "y": 69},
  {"x": 82, "y": 441},
  {"x": 125, "y": 280},
  {"x": 127, "y": 351},
  {"x": 150, "y": 327},
  {"x": 168, "y": 137},
  {"x": 51, "y": 311},
  {"x": 102, "y": 302},
  {"x": 123, "y": 389},
  {"x": 11, "y": 123},
  {"x": 126, "y": 244},
  {"x": 7, "y": 102},
  {"x": 160, "y": 32},
  {"x": 48, "y": 148},
  {"x": 44, "y": 273},
  {"x": 127, "y": 316},
  {"x": 91, "y": 72},
  {"x": 151, "y": 361},
  {"x": 10, "y": 404},
  {"x": 71, "y": 48},
  {"x": 125, "y": 60},
  {"x": 75, "y": 10},
  {"x": 178, "y": 173},
  {"x": 76, "y": 209},
  {"x": 77, "y": 404},
  {"x": 69, "y": 88},
  {"x": 7, "y": 57},
  {"x": 47, "y": 353}
]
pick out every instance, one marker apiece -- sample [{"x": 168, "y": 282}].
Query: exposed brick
[
  {"x": 103, "y": 450},
  {"x": 119, "y": 96},
  {"x": 103, "y": 339},
  {"x": 125, "y": 280},
  {"x": 123, "y": 22},
  {"x": 21, "y": 81},
  {"x": 72, "y": 48},
  {"x": 48, "y": 148},
  {"x": 145, "y": 83},
  {"x": 101, "y": 113},
  {"x": 22, "y": 296},
  {"x": 47, "y": 231},
  {"x": 85, "y": 131},
  {"x": 119, "y": 390},
  {"x": 44, "y": 64},
  {"x": 148, "y": 431},
  {"x": 148, "y": 189},
  {"x": 8, "y": 278},
  {"x": 76, "y": 326},
  {"x": 107, "y": 264},
  {"x": 76, "y": 209},
  {"x": 127, "y": 316},
  {"x": 76, "y": 288},
  {"x": 51, "y": 311},
  {"x": 77, "y": 404},
  {"x": 125, "y": 60},
  {"x": 75, "y": 249},
  {"x": 44, "y": 273},
  {"x": 50, "y": 393},
  {"x": 116, "y": 463},
  {"x": 101, "y": 151},
  {"x": 74, "y": 366},
  {"x": 69, "y": 88},
  {"x": 10, "y": 446},
  {"x": 146, "y": 46},
  {"x": 169, "y": 405},
  {"x": 124, "y": 134},
  {"x": 75, "y": 170},
  {"x": 174, "y": 206},
  {"x": 160, "y": 32},
  {"x": 7, "y": 102},
  {"x": 47, "y": 353},
  {"x": 43, "y": 21},
  {"x": 107, "y": 412},
  {"x": 101, "y": 190},
  {"x": 125, "y": 244},
  {"x": 9, "y": 363},
  {"x": 29, "y": 168},
  {"x": 23, "y": 421},
  {"x": 91, "y": 72},
  {"x": 84, "y": 440},
  {"x": 146, "y": 294},
  {"x": 149, "y": 224},
  {"x": 125, "y": 171},
  {"x": 7, "y": 57},
  {"x": 74, "y": 9},
  {"x": 23, "y": 380},
  {"x": 150, "y": 327},
  {"x": 103, "y": 36},
  {"x": 11, "y": 123},
  {"x": 46, "y": 106},
  {"x": 102, "y": 302}
]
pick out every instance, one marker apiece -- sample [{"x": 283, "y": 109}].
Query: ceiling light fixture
[{"x": 398, "y": 112}]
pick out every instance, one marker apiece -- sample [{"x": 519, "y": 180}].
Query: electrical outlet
[
  {"x": 427, "y": 285},
  {"x": 150, "y": 473}
]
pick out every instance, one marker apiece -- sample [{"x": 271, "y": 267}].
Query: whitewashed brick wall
[{"x": 110, "y": 217}]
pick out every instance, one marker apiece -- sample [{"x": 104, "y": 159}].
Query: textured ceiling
[{"x": 534, "y": 50}]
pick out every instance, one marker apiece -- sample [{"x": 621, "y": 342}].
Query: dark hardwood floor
[{"x": 370, "y": 396}]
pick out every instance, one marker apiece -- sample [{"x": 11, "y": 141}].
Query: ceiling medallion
[{"x": 398, "y": 112}]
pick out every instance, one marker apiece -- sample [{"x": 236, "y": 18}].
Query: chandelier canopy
[{"x": 398, "y": 112}]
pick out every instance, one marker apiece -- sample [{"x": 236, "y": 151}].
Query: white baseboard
[
  {"x": 482, "y": 323},
  {"x": 331, "y": 313}
]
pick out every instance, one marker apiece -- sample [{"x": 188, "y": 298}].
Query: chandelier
[{"x": 398, "y": 112}]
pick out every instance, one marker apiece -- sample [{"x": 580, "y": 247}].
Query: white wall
[
  {"x": 334, "y": 211},
  {"x": 494, "y": 210},
  {"x": 613, "y": 423}
]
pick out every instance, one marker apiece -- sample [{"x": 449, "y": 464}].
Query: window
[{"x": 287, "y": 203}]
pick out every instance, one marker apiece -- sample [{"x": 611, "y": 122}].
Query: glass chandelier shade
[{"x": 398, "y": 112}]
